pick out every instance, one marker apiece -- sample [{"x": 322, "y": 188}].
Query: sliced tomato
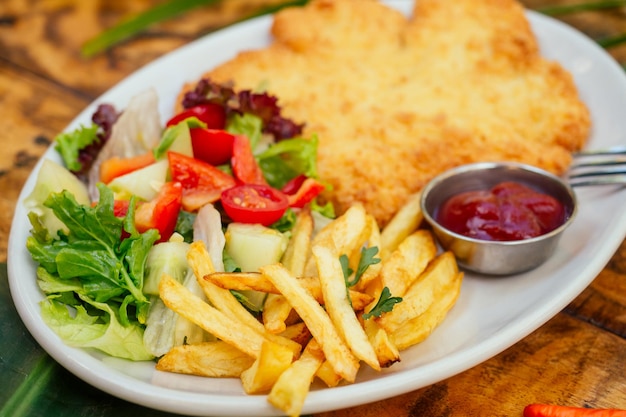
[
  {"x": 294, "y": 184},
  {"x": 116, "y": 166},
  {"x": 254, "y": 203},
  {"x": 212, "y": 114},
  {"x": 161, "y": 213},
  {"x": 214, "y": 146},
  {"x": 308, "y": 190},
  {"x": 202, "y": 183},
  {"x": 245, "y": 166},
  {"x": 120, "y": 207}
]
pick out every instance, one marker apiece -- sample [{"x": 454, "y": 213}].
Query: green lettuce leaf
[
  {"x": 103, "y": 332},
  {"x": 69, "y": 144},
  {"x": 289, "y": 158}
]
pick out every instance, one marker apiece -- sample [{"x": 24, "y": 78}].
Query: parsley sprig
[
  {"x": 384, "y": 304},
  {"x": 368, "y": 257}
]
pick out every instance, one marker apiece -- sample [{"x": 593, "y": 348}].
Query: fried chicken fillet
[{"x": 397, "y": 100}]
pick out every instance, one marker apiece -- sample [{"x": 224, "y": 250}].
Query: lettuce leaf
[
  {"x": 103, "y": 332},
  {"x": 97, "y": 268},
  {"x": 289, "y": 158},
  {"x": 70, "y": 144}
]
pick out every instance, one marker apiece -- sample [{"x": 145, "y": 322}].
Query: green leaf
[
  {"x": 288, "y": 158},
  {"x": 384, "y": 304},
  {"x": 347, "y": 271},
  {"x": 69, "y": 145},
  {"x": 105, "y": 332},
  {"x": 246, "y": 124},
  {"x": 136, "y": 24},
  {"x": 559, "y": 10},
  {"x": 130, "y": 27},
  {"x": 171, "y": 134},
  {"x": 367, "y": 258}
]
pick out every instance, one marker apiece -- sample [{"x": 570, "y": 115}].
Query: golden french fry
[
  {"x": 200, "y": 262},
  {"x": 386, "y": 351},
  {"x": 373, "y": 271},
  {"x": 327, "y": 374},
  {"x": 243, "y": 281},
  {"x": 271, "y": 362},
  {"x": 345, "y": 235},
  {"x": 211, "y": 359},
  {"x": 297, "y": 251},
  {"x": 276, "y": 311},
  {"x": 405, "y": 222},
  {"x": 418, "y": 328},
  {"x": 437, "y": 277},
  {"x": 408, "y": 261},
  {"x": 297, "y": 332},
  {"x": 339, "y": 308},
  {"x": 182, "y": 301},
  {"x": 316, "y": 319},
  {"x": 289, "y": 392}
]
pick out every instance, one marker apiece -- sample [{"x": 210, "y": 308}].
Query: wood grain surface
[{"x": 578, "y": 358}]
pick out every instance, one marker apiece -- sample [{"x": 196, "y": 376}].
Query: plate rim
[{"x": 167, "y": 399}]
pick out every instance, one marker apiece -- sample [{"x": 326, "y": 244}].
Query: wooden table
[{"x": 577, "y": 358}]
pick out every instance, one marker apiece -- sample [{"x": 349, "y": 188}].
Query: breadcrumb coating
[{"x": 396, "y": 100}]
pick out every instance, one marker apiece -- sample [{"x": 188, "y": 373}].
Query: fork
[{"x": 598, "y": 167}]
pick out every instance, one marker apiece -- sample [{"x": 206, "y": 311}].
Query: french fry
[
  {"x": 424, "y": 292},
  {"x": 327, "y": 374},
  {"x": 386, "y": 351},
  {"x": 200, "y": 261},
  {"x": 318, "y": 322},
  {"x": 211, "y": 359},
  {"x": 405, "y": 222},
  {"x": 182, "y": 301},
  {"x": 271, "y": 362},
  {"x": 344, "y": 235},
  {"x": 418, "y": 328},
  {"x": 408, "y": 261},
  {"x": 339, "y": 308},
  {"x": 297, "y": 252},
  {"x": 373, "y": 271},
  {"x": 290, "y": 391},
  {"x": 242, "y": 281},
  {"x": 276, "y": 309},
  {"x": 297, "y": 332}
]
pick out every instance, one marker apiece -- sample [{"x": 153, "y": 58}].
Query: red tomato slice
[
  {"x": 214, "y": 146},
  {"x": 213, "y": 115},
  {"x": 309, "y": 189},
  {"x": 161, "y": 213},
  {"x": 120, "y": 207},
  {"x": 294, "y": 184},
  {"x": 245, "y": 166},
  {"x": 202, "y": 182},
  {"x": 254, "y": 203}
]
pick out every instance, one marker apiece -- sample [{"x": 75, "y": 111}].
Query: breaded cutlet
[{"x": 397, "y": 100}]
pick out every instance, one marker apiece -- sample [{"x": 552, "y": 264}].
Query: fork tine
[{"x": 598, "y": 167}]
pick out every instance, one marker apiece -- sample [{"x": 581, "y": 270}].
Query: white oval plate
[{"x": 490, "y": 315}]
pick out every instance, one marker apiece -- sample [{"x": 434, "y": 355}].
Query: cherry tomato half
[
  {"x": 214, "y": 146},
  {"x": 212, "y": 114},
  {"x": 254, "y": 203}
]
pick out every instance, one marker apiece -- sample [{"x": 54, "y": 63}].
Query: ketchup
[{"x": 508, "y": 211}]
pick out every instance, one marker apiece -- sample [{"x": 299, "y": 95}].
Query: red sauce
[{"x": 508, "y": 211}]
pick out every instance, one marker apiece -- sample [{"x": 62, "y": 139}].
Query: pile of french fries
[{"x": 313, "y": 324}]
